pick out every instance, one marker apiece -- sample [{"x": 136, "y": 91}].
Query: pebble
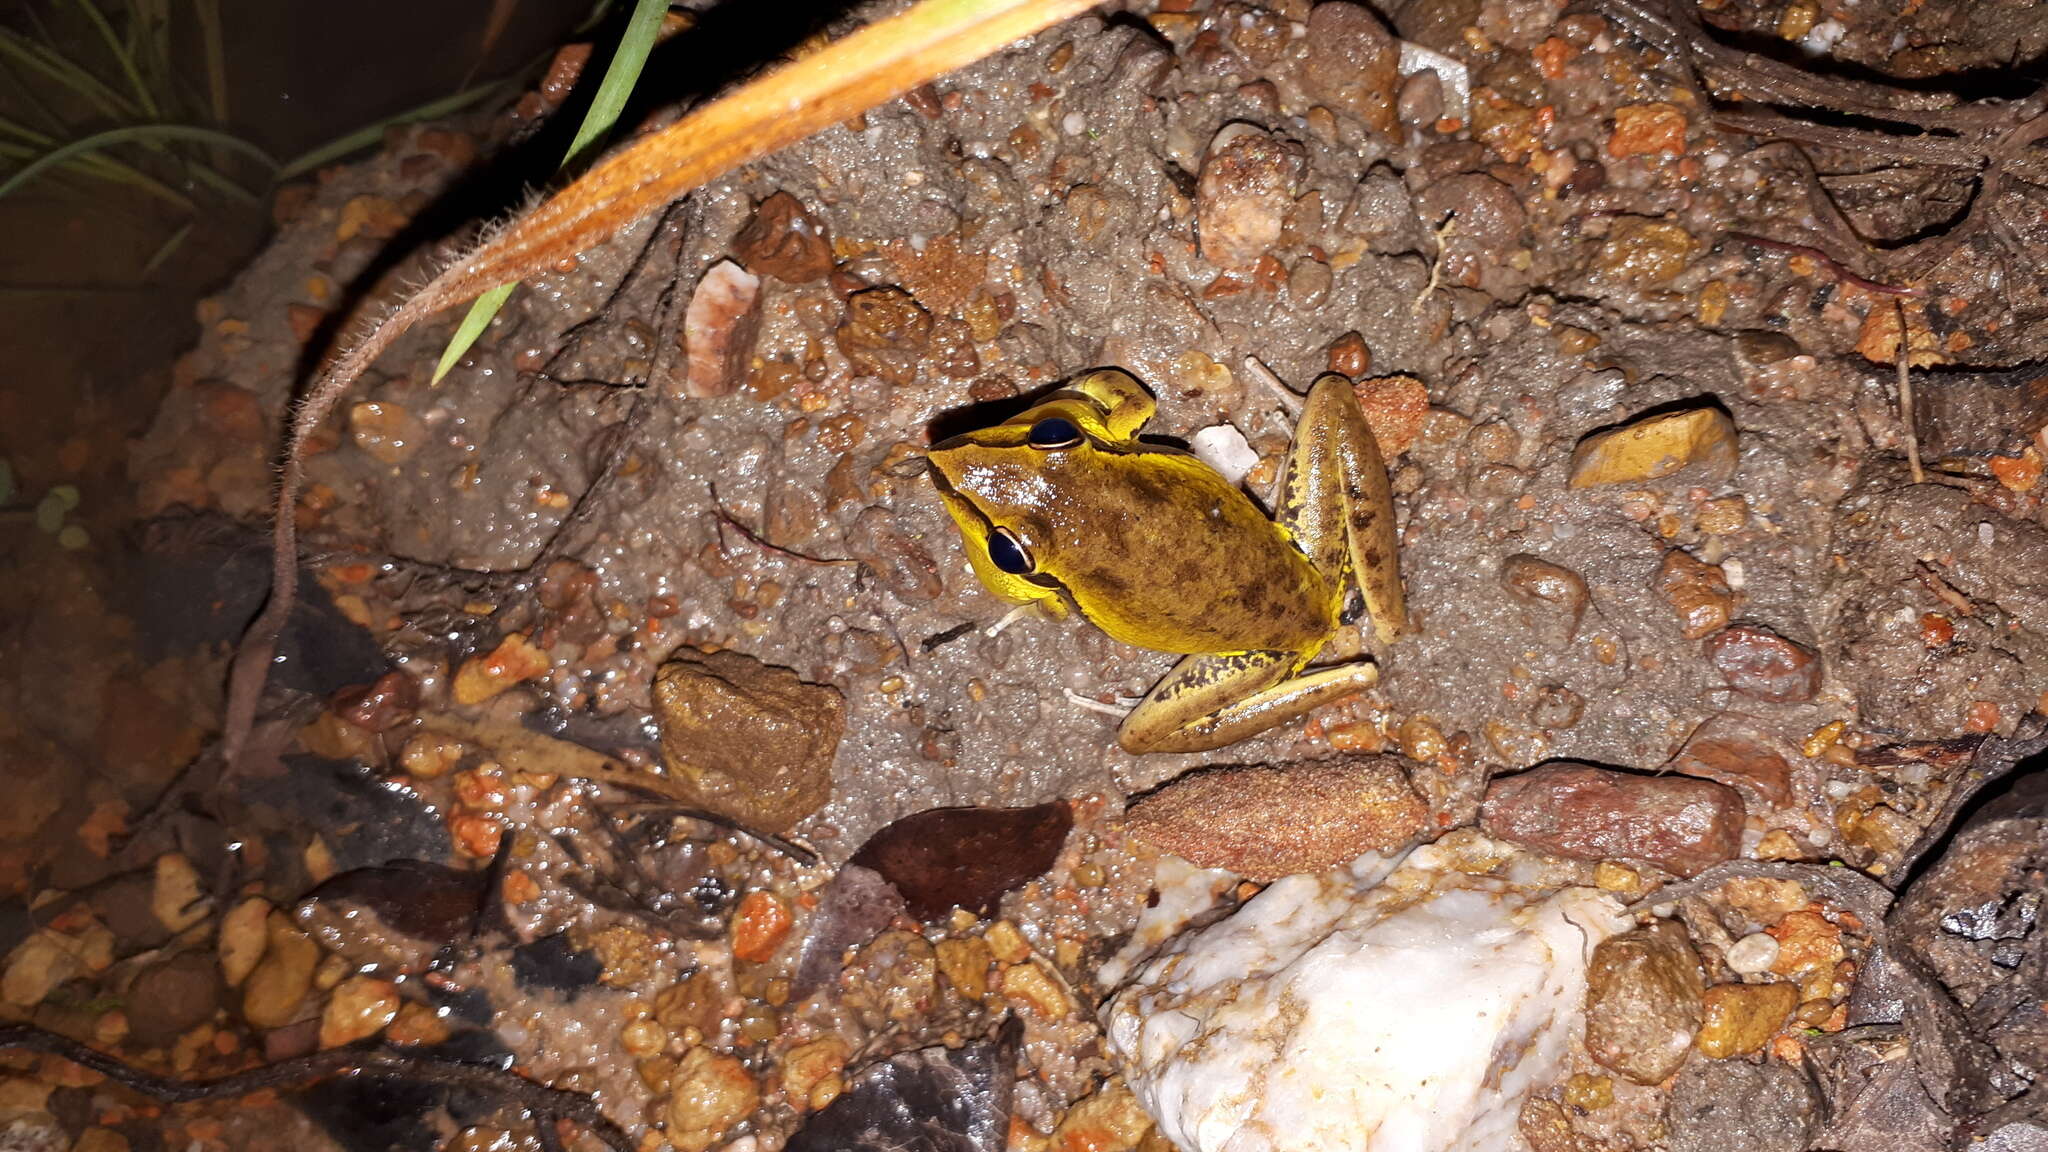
[
  {"x": 884, "y": 334},
  {"x": 1643, "y": 992},
  {"x": 244, "y": 934},
  {"x": 1762, "y": 665},
  {"x": 1699, "y": 442},
  {"x": 785, "y": 241},
  {"x": 513, "y": 661},
  {"x": 711, "y": 1093},
  {"x": 1111, "y": 1120},
  {"x": 172, "y": 997},
  {"x": 748, "y": 740},
  {"x": 1265, "y": 823},
  {"x": 1731, "y": 751},
  {"x": 1679, "y": 824},
  {"x": 1696, "y": 591},
  {"x": 1353, "y": 64},
  {"x": 1245, "y": 191},
  {"x": 964, "y": 962},
  {"x": 280, "y": 980},
  {"x": 719, "y": 329},
  {"x": 37, "y": 966},
  {"x": 360, "y": 1007},
  {"x": 812, "y": 1073},
  {"x": 1541, "y": 584},
  {"x": 760, "y": 927},
  {"x": 1738, "y": 1019}
]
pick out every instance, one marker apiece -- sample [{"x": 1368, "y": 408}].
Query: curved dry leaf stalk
[{"x": 848, "y": 77}]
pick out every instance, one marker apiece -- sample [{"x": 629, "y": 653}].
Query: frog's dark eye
[
  {"x": 1008, "y": 553},
  {"x": 1053, "y": 433}
]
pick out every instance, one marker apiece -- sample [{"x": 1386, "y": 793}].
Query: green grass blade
[
  {"x": 122, "y": 56},
  {"x": 369, "y": 135},
  {"x": 95, "y": 167},
  {"x": 135, "y": 134},
  {"x": 215, "y": 53},
  {"x": 643, "y": 28},
  {"x": 481, "y": 313},
  {"x": 33, "y": 56},
  {"x": 164, "y": 250}
]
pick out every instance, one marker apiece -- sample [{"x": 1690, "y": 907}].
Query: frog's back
[{"x": 1162, "y": 552}]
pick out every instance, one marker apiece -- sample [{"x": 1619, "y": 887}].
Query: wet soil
[{"x": 1575, "y": 241}]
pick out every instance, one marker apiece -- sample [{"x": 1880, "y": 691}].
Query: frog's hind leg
[
  {"x": 1336, "y": 501},
  {"x": 1209, "y": 701}
]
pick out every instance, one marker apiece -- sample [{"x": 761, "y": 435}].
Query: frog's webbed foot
[{"x": 1207, "y": 702}]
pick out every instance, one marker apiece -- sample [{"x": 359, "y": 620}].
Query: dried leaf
[{"x": 966, "y": 857}]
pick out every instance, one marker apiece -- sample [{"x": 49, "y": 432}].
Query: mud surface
[{"x": 1556, "y": 233}]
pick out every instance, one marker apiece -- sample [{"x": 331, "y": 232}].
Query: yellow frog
[{"x": 1064, "y": 505}]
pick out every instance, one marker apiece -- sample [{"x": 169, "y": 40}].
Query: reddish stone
[
  {"x": 785, "y": 241},
  {"x": 1681, "y": 825},
  {"x": 379, "y": 706},
  {"x": 1729, "y": 751},
  {"x": 1763, "y": 665}
]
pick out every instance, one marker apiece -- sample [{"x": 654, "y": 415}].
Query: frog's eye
[
  {"x": 1008, "y": 553},
  {"x": 1053, "y": 433}
]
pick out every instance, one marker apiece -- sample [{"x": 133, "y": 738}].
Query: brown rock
[
  {"x": 1489, "y": 225},
  {"x": 719, "y": 330},
  {"x": 1246, "y": 189},
  {"x": 1737, "y": 1019},
  {"x": 281, "y": 979},
  {"x": 1553, "y": 589},
  {"x": 1763, "y": 665},
  {"x": 1266, "y": 823},
  {"x": 712, "y": 1092},
  {"x": 1353, "y": 64},
  {"x": 172, "y": 997},
  {"x": 1696, "y": 591},
  {"x": 1680, "y": 825},
  {"x": 1699, "y": 442},
  {"x": 785, "y": 241},
  {"x": 1646, "y": 253},
  {"x": 1643, "y": 992},
  {"x": 1349, "y": 356},
  {"x": 748, "y": 740},
  {"x": 884, "y": 334},
  {"x": 1729, "y": 750}
]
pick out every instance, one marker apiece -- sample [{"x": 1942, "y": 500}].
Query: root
[{"x": 544, "y": 1103}]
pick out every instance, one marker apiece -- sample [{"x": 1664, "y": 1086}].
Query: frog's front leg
[{"x": 1209, "y": 701}]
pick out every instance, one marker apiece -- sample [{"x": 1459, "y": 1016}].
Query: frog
[{"x": 1066, "y": 507}]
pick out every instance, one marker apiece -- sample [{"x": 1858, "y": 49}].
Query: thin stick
[
  {"x": 1905, "y": 360},
  {"x": 544, "y": 1102}
]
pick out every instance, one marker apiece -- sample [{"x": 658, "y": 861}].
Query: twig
[
  {"x": 1436, "y": 267},
  {"x": 1833, "y": 265},
  {"x": 1289, "y": 398},
  {"x": 542, "y": 1101},
  {"x": 1904, "y": 357},
  {"x": 728, "y": 520}
]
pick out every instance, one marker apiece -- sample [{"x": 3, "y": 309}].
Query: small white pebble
[
  {"x": 1073, "y": 124},
  {"x": 1986, "y": 534},
  {"x": 1752, "y": 954},
  {"x": 1732, "y": 571},
  {"x": 1224, "y": 448}
]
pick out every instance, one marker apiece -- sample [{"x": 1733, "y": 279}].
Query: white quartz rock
[{"x": 1364, "y": 1010}]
